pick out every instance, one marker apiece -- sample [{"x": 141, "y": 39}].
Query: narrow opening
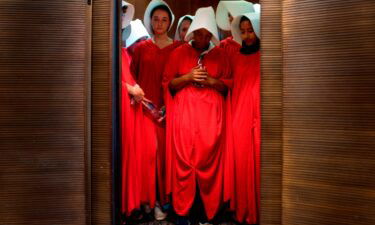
[{"x": 188, "y": 112}]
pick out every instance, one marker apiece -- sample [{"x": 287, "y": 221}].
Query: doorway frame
[{"x": 104, "y": 134}]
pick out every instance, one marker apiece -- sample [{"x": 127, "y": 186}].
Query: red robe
[
  {"x": 195, "y": 132},
  {"x": 230, "y": 46},
  {"x": 130, "y": 195},
  {"x": 147, "y": 67},
  {"x": 246, "y": 133}
]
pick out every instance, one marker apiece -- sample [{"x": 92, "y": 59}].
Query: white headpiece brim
[
  {"x": 255, "y": 22},
  {"x": 137, "y": 32},
  {"x": 147, "y": 15},
  {"x": 204, "y": 18},
  {"x": 128, "y": 15},
  {"x": 177, "y": 34},
  {"x": 234, "y": 8}
]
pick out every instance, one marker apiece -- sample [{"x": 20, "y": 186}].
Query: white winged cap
[
  {"x": 147, "y": 15},
  {"x": 255, "y": 22},
  {"x": 137, "y": 31},
  {"x": 234, "y": 8},
  {"x": 128, "y": 15},
  {"x": 204, "y": 18},
  {"x": 177, "y": 33},
  {"x": 257, "y": 8}
]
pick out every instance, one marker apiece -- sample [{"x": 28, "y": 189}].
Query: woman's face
[
  {"x": 184, "y": 27},
  {"x": 247, "y": 33},
  {"x": 202, "y": 38},
  {"x": 160, "y": 21}
]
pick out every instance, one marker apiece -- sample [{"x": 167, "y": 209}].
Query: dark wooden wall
[
  {"x": 272, "y": 112},
  {"x": 101, "y": 112},
  {"x": 328, "y": 108},
  {"x": 44, "y": 73}
]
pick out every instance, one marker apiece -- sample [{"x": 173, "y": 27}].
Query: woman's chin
[
  {"x": 249, "y": 42},
  {"x": 159, "y": 32}
]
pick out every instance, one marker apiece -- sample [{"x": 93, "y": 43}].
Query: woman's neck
[
  {"x": 161, "y": 37},
  {"x": 161, "y": 40}
]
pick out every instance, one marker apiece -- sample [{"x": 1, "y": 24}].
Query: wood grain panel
[
  {"x": 44, "y": 58},
  {"x": 102, "y": 176},
  {"x": 271, "y": 108},
  {"x": 329, "y": 123}
]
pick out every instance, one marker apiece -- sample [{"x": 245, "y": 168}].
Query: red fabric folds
[
  {"x": 130, "y": 195},
  {"x": 196, "y": 124},
  {"x": 246, "y": 133},
  {"x": 147, "y": 67},
  {"x": 230, "y": 46}
]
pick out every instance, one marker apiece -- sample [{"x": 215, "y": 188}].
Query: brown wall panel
[
  {"x": 329, "y": 123},
  {"x": 271, "y": 108},
  {"x": 44, "y": 58},
  {"x": 101, "y": 114}
]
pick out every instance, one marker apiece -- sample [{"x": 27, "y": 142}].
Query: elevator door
[{"x": 44, "y": 95}]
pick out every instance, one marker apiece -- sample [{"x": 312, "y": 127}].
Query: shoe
[
  {"x": 159, "y": 214},
  {"x": 205, "y": 223}
]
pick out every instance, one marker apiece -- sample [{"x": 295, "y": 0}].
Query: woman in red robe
[
  {"x": 130, "y": 185},
  {"x": 225, "y": 13},
  {"x": 196, "y": 81},
  {"x": 147, "y": 66},
  {"x": 130, "y": 194},
  {"x": 245, "y": 63}
]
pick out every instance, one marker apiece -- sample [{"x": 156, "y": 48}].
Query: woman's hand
[
  {"x": 214, "y": 83},
  {"x": 208, "y": 82},
  {"x": 136, "y": 92},
  {"x": 198, "y": 74}
]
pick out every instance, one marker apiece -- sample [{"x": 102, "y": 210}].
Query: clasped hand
[{"x": 200, "y": 75}]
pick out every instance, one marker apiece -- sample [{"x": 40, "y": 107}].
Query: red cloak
[
  {"x": 196, "y": 132},
  {"x": 147, "y": 67},
  {"x": 246, "y": 133},
  {"x": 230, "y": 46},
  {"x": 130, "y": 194}
]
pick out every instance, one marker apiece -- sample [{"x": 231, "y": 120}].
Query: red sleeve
[
  {"x": 170, "y": 71},
  {"x": 126, "y": 76},
  {"x": 230, "y": 46},
  {"x": 226, "y": 77},
  {"x": 226, "y": 73},
  {"x": 136, "y": 58}
]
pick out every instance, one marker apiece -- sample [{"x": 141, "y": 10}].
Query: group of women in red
[{"x": 190, "y": 114}]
